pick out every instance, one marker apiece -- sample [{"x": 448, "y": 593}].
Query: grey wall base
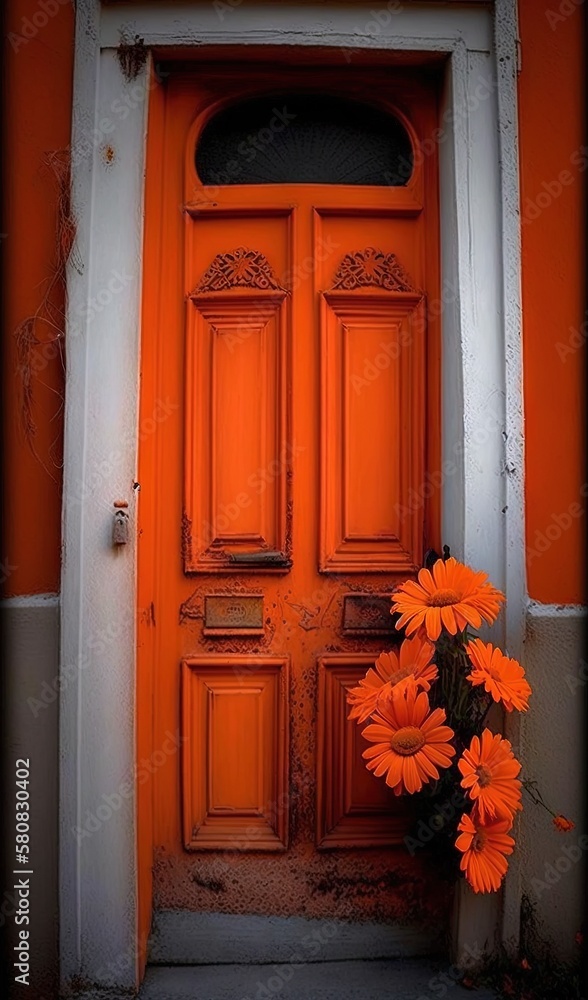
[
  {"x": 180, "y": 937},
  {"x": 552, "y": 863},
  {"x": 30, "y": 630},
  {"x": 414, "y": 979}
]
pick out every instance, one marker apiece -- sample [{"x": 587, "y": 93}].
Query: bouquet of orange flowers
[{"x": 426, "y": 707}]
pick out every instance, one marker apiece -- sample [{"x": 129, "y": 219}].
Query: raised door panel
[
  {"x": 354, "y": 809},
  {"x": 235, "y": 753},
  {"x": 236, "y": 462},
  {"x": 372, "y": 431}
]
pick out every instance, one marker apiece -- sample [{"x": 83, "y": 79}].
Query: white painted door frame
[{"x": 482, "y": 395}]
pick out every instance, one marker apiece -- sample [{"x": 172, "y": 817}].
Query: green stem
[{"x": 535, "y": 795}]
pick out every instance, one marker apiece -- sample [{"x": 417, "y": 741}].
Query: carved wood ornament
[
  {"x": 372, "y": 267},
  {"x": 239, "y": 268},
  {"x": 238, "y": 301}
]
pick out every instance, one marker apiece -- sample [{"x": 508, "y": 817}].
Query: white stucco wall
[{"x": 552, "y": 863}]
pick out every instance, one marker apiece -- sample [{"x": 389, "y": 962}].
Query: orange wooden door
[{"x": 289, "y": 421}]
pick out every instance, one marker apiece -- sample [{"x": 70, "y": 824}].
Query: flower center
[
  {"x": 407, "y": 741},
  {"x": 479, "y": 841},
  {"x": 484, "y": 776},
  {"x": 442, "y": 598},
  {"x": 494, "y": 673},
  {"x": 400, "y": 675}
]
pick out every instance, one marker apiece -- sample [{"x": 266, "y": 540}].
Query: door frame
[{"x": 482, "y": 405}]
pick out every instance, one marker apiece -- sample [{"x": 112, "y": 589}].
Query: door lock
[{"x": 120, "y": 526}]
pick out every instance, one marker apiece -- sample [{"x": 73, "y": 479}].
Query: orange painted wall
[
  {"x": 39, "y": 80},
  {"x": 553, "y": 164},
  {"x": 38, "y": 74}
]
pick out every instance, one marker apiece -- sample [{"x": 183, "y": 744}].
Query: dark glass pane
[{"x": 303, "y": 139}]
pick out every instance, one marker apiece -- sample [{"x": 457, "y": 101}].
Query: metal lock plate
[
  {"x": 367, "y": 614},
  {"x": 120, "y": 528},
  {"x": 233, "y": 615}
]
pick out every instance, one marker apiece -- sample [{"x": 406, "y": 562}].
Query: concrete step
[
  {"x": 399, "y": 979},
  {"x": 180, "y": 937}
]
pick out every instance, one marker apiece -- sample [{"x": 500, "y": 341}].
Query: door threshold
[
  {"x": 393, "y": 979},
  {"x": 183, "y": 937}
]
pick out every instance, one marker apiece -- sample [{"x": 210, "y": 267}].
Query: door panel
[
  {"x": 287, "y": 328},
  {"x": 236, "y": 425},
  {"x": 372, "y": 430},
  {"x": 235, "y": 755},
  {"x": 353, "y": 807}
]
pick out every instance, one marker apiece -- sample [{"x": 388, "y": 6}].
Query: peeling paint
[
  {"x": 132, "y": 56},
  {"x": 108, "y": 154}
]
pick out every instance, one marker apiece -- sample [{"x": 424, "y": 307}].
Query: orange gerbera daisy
[
  {"x": 562, "y": 824},
  {"x": 501, "y": 676},
  {"x": 412, "y": 660},
  {"x": 449, "y": 596},
  {"x": 489, "y": 770},
  {"x": 484, "y": 846},
  {"x": 411, "y": 742}
]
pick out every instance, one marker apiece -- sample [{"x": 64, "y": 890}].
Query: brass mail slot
[
  {"x": 368, "y": 614},
  {"x": 236, "y": 613}
]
